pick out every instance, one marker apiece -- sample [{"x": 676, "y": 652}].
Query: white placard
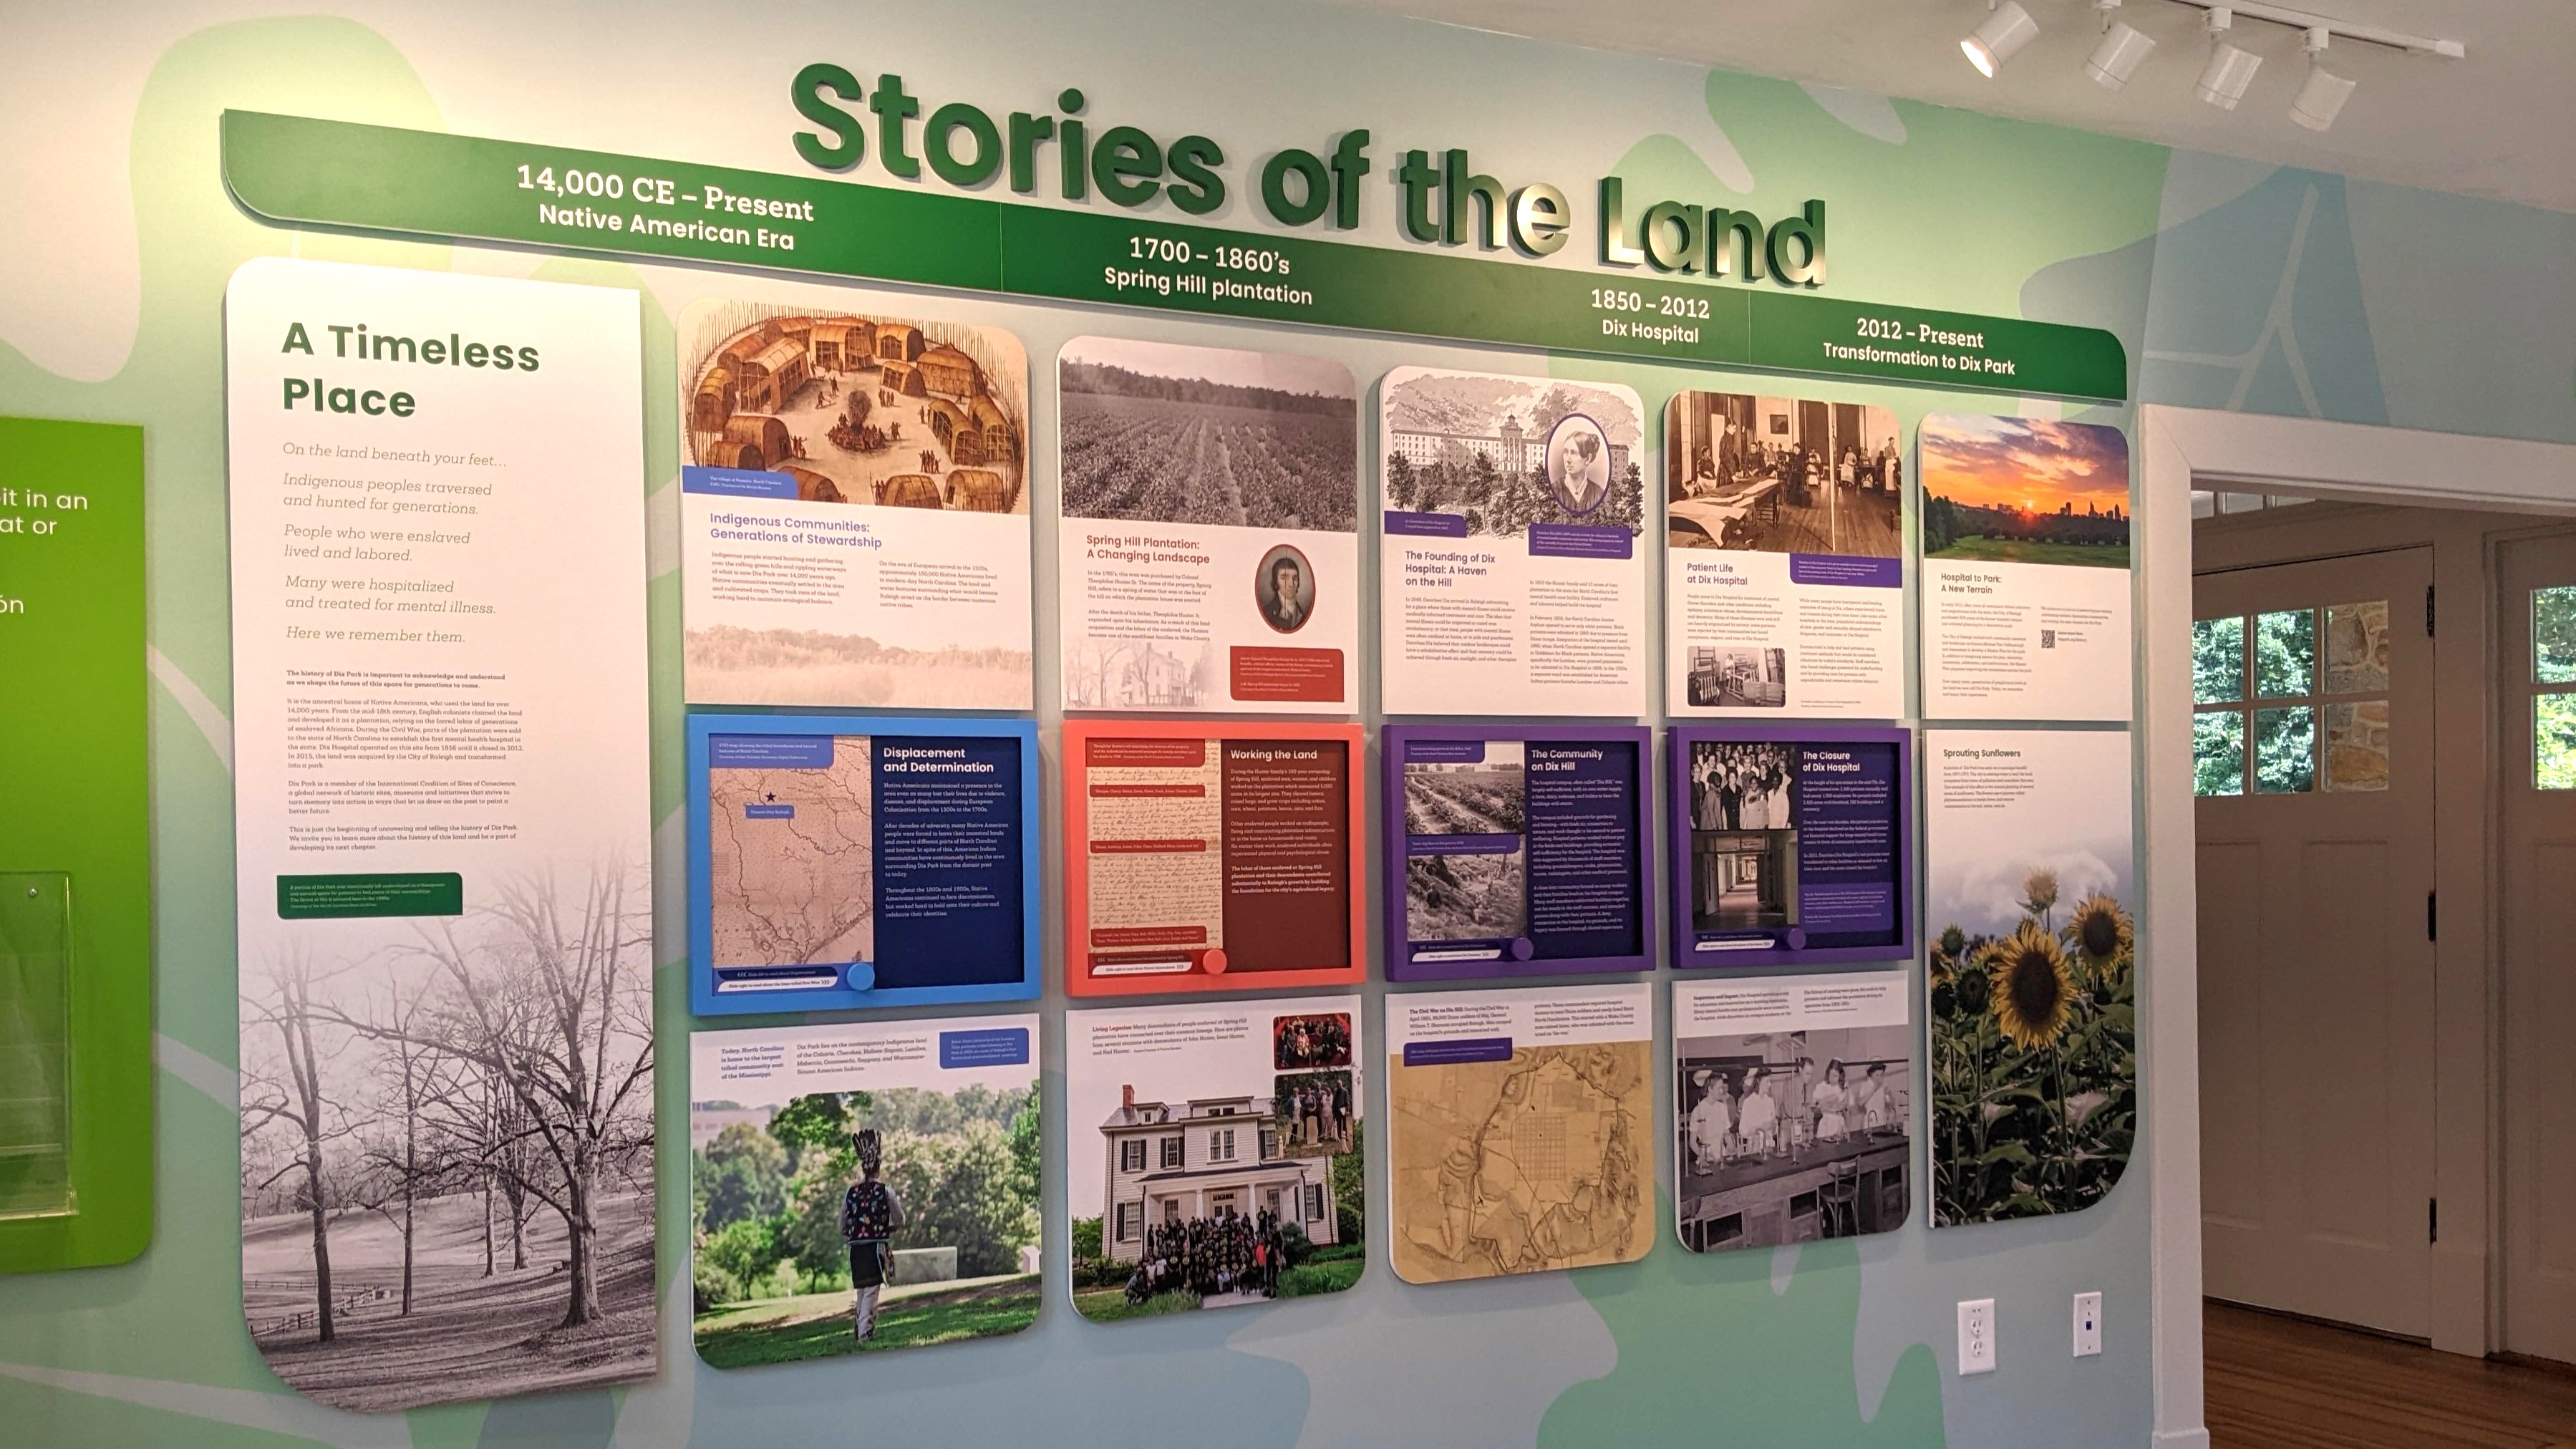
[
  {"x": 1511, "y": 577},
  {"x": 1209, "y": 549},
  {"x": 1527, "y": 1016},
  {"x": 441, "y": 818},
  {"x": 1790, "y": 1003}
]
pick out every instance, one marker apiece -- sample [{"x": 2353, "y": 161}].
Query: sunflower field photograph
[{"x": 2032, "y": 972}]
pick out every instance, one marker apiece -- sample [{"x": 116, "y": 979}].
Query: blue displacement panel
[{"x": 841, "y": 861}]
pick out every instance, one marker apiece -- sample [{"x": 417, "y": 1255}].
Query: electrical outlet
[
  {"x": 1977, "y": 1336},
  {"x": 2088, "y": 1324}
]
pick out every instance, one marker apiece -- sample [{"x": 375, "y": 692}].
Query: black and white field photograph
[
  {"x": 1501, "y": 453},
  {"x": 1782, "y": 475},
  {"x": 1738, "y": 678},
  {"x": 447, "y": 1149},
  {"x": 1157, "y": 432},
  {"x": 1474, "y": 888},
  {"x": 1792, "y": 1136}
]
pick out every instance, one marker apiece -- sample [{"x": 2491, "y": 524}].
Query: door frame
[{"x": 2177, "y": 450}]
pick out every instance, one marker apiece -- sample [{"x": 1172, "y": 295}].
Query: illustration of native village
[{"x": 860, "y": 409}]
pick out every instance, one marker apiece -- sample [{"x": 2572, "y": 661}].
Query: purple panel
[
  {"x": 1579, "y": 540},
  {"x": 1425, "y": 525},
  {"x": 1488, "y": 959},
  {"x": 1849, "y": 569},
  {"x": 1843, "y": 892},
  {"x": 1458, "y": 1052}
]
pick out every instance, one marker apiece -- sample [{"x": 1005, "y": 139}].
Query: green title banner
[{"x": 327, "y": 173}]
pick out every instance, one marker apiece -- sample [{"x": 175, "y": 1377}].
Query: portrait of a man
[{"x": 1284, "y": 587}]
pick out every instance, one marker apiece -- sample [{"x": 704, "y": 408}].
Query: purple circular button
[{"x": 1522, "y": 948}]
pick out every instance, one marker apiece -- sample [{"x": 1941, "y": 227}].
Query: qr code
[{"x": 2047, "y": 638}]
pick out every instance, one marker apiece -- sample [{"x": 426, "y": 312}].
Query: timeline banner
[{"x": 295, "y": 170}]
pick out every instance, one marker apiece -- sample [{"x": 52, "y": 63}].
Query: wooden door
[
  {"x": 2313, "y": 753},
  {"x": 2536, "y": 744}
]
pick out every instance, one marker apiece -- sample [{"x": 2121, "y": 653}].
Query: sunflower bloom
[
  {"x": 2100, "y": 933},
  {"x": 2034, "y": 993}
]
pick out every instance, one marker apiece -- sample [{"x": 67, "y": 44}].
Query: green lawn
[
  {"x": 817, "y": 1325},
  {"x": 2013, "y": 550},
  {"x": 1109, "y": 1305}
]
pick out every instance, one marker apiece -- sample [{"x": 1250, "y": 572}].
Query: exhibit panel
[
  {"x": 443, "y": 832},
  {"x": 1202, "y": 862},
  {"x": 2032, "y": 970},
  {"x": 1515, "y": 850},
  {"x": 1209, "y": 553},
  {"x": 1791, "y": 844},
  {"x": 1510, "y": 578},
  {"x": 828, "y": 556},
  {"x": 860, "y": 860},
  {"x": 1792, "y": 1109},
  {"x": 1518, "y": 1126},
  {"x": 862, "y": 1187},
  {"x": 2025, "y": 602},
  {"x": 1784, "y": 577},
  {"x": 1213, "y": 1155},
  {"x": 76, "y": 917}
]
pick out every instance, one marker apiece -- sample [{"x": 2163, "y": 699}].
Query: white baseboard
[{"x": 2180, "y": 1439}]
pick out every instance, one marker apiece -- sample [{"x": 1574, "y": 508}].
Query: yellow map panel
[
  {"x": 791, "y": 862},
  {"x": 1522, "y": 1166}
]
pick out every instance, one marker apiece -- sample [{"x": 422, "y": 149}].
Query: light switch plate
[
  {"x": 1976, "y": 1336},
  {"x": 2088, "y": 1324}
]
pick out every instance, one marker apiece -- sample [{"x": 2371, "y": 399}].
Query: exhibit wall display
[
  {"x": 1509, "y": 578},
  {"x": 1791, "y": 844},
  {"x": 1792, "y": 1109},
  {"x": 1516, "y": 850},
  {"x": 443, "y": 828},
  {"x": 2025, "y": 569},
  {"x": 862, "y": 1186},
  {"x": 1784, "y": 584},
  {"x": 1209, "y": 554},
  {"x": 76, "y": 1073},
  {"x": 856, "y": 860},
  {"x": 854, "y": 506},
  {"x": 2032, "y": 973},
  {"x": 1214, "y": 1154},
  {"x": 1204, "y": 862},
  {"x": 1518, "y": 1126},
  {"x": 112, "y": 310}
]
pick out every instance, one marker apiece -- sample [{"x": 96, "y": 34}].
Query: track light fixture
[
  {"x": 2122, "y": 48},
  {"x": 2230, "y": 70},
  {"x": 2322, "y": 95},
  {"x": 2007, "y": 29}
]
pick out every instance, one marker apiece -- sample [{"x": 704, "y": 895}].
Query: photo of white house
[
  {"x": 1207, "y": 1193},
  {"x": 1210, "y": 1158}
]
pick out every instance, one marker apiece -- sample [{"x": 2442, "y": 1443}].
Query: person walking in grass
[{"x": 870, "y": 1214}]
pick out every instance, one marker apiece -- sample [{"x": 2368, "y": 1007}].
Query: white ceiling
[{"x": 2501, "y": 123}]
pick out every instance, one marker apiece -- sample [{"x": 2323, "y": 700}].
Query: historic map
[
  {"x": 792, "y": 870},
  {"x": 1521, "y": 1166}
]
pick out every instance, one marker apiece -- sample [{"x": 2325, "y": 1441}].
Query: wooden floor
[
  {"x": 2281, "y": 1383},
  {"x": 1863, "y": 523}
]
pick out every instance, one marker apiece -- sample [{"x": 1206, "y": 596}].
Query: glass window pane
[
  {"x": 2357, "y": 648},
  {"x": 2218, "y": 753},
  {"x": 2217, "y": 660},
  {"x": 2278, "y": 500},
  {"x": 2553, "y": 634},
  {"x": 2203, "y": 504},
  {"x": 2285, "y": 751},
  {"x": 2553, "y": 741},
  {"x": 2357, "y": 746},
  {"x": 2285, "y": 654},
  {"x": 2240, "y": 502}
]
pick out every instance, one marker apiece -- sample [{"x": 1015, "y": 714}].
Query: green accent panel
[
  {"x": 341, "y": 897},
  {"x": 75, "y": 858},
  {"x": 294, "y": 171}
]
